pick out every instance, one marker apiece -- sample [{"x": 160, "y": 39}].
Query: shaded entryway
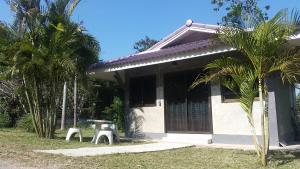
[{"x": 186, "y": 110}]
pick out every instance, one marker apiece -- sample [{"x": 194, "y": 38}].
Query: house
[{"x": 158, "y": 104}]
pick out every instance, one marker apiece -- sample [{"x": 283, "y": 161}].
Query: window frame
[
  {"x": 141, "y": 80},
  {"x": 227, "y": 100},
  {"x": 224, "y": 100}
]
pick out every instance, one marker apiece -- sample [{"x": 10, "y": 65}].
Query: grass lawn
[{"x": 16, "y": 147}]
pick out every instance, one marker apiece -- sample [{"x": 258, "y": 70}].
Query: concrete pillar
[
  {"x": 273, "y": 123},
  {"x": 126, "y": 106}
]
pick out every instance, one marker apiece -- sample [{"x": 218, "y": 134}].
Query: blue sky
[{"x": 117, "y": 24}]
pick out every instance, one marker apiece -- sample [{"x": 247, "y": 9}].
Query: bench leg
[
  {"x": 95, "y": 135},
  {"x": 73, "y": 131},
  {"x": 110, "y": 138},
  {"x": 97, "y": 138},
  {"x": 80, "y": 135}
]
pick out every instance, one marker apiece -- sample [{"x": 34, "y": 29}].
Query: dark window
[
  {"x": 228, "y": 95},
  {"x": 142, "y": 91}
]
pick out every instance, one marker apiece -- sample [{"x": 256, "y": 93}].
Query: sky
[{"x": 118, "y": 24}]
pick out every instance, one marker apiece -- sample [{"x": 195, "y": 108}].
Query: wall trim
[{"x": 149, "y": 135}]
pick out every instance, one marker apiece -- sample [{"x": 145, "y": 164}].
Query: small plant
[
  {"x": 115, "y": 111},
  {"x": 5, "y": 120},
  {"x": 25, "y": 123}
]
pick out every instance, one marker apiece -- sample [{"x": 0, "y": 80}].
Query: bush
[
  {"x": 5, "y": 120},
  {"x": 12, "y": 107},
  {"x": 25, "y": 123},
  {"x": 115, "y": 111}
]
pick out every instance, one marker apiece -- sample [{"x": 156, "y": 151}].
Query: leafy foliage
[
  {"x": 46, "y": 50},
  {"x": 5, "y": 120},
  {"x": 9, "y": 102},
  {"x": 144, "y": 44},
  {"x": 241, "y": 12},
  {"x": 25, "y": 123},
  {"x": 115, "y": 111}
]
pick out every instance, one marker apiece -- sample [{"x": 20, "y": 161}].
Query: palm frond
[{"x": 72, "y": 6}]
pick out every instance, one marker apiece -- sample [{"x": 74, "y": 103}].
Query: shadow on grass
[
  {"x": 84, "y": 139},
  {"x": 278, "y": 158},
  {"x": 89, "y": 139}
]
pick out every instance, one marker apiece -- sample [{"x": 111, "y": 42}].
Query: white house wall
[
  {"x": 230, "y": 118},
  {"x": 149, "y": 121},
  {"x": 230, "y": 124}
]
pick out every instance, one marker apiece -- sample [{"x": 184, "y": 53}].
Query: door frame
[{"x": 209, "y": 107}]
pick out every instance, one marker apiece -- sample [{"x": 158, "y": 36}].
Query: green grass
[{"x": 16, "y": 146}]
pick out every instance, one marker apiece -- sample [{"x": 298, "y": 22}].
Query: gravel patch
[{"x": 94, "y": 151}]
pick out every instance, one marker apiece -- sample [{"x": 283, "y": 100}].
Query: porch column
[
  {"x": 273, "y": 123},
  {"x": 126, "y": 106},
  {"x": 160, "y": 92}
]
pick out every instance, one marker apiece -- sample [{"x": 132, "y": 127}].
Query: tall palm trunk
[
  {"x": 264, "y": 151},
  {"x": 75, "y": 102},
  {"x": 63, "y": 113},
  {"x": 254, "y": 136}
]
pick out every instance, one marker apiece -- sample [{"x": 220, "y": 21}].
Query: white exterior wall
[
  {"x": 227, "y": 118},
  {"x": 150, "y": 119},
  {"x": 230, "y": 118}
]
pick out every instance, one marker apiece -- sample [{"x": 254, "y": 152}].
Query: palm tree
[
  {"x": 43, "y": 58},
  {"x": 23, "y": 9},
  {"x": 264, "y": 50}
]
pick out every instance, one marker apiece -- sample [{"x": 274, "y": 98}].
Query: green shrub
[
  {"x": 115, "y": 112},
  {"x": 5, "y": 120},
  {"x": 12, "y": 107},
  {"x": 25, "y": 123}
]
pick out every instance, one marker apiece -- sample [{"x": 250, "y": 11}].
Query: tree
[
  {"x": 264, "y": 51},
  {"x": 240, "y": 13},
  {"x": 9, "y": 102},
  {"x": 23, "y": 9},
  {"x": 144, "y": 44},
  {"x": 50, "y": 51}
]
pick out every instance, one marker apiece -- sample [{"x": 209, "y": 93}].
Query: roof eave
[{"x": 165, "y": 59}]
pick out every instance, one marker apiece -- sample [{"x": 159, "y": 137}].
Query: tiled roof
[
  {"x": 160, "y": 50},
  {"x": 160, "y": 53}
]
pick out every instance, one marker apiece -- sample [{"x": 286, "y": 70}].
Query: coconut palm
[{"x": 264, "y": 50}]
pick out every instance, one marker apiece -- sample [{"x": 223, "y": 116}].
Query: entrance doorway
[{"x": 186, "y": 111}]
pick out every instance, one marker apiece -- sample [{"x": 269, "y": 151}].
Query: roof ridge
[{"x": 183, "y": 27}]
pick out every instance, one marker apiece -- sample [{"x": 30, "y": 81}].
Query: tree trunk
[
  {"x": 75, "y": 102},
  {"x": 63, "y": 113},
  {"x": 254, "y": 137},
  {"x": 262, "y": 109},
  {"x": 266, "y": 127}
]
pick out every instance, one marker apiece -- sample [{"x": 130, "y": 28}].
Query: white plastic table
[{"x": 97, "y": 128}]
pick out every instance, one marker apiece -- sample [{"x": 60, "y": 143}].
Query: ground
[{"x": 16, "y": 151}]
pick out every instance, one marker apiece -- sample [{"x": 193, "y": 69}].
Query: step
[{"x": 188, "y": 138}]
